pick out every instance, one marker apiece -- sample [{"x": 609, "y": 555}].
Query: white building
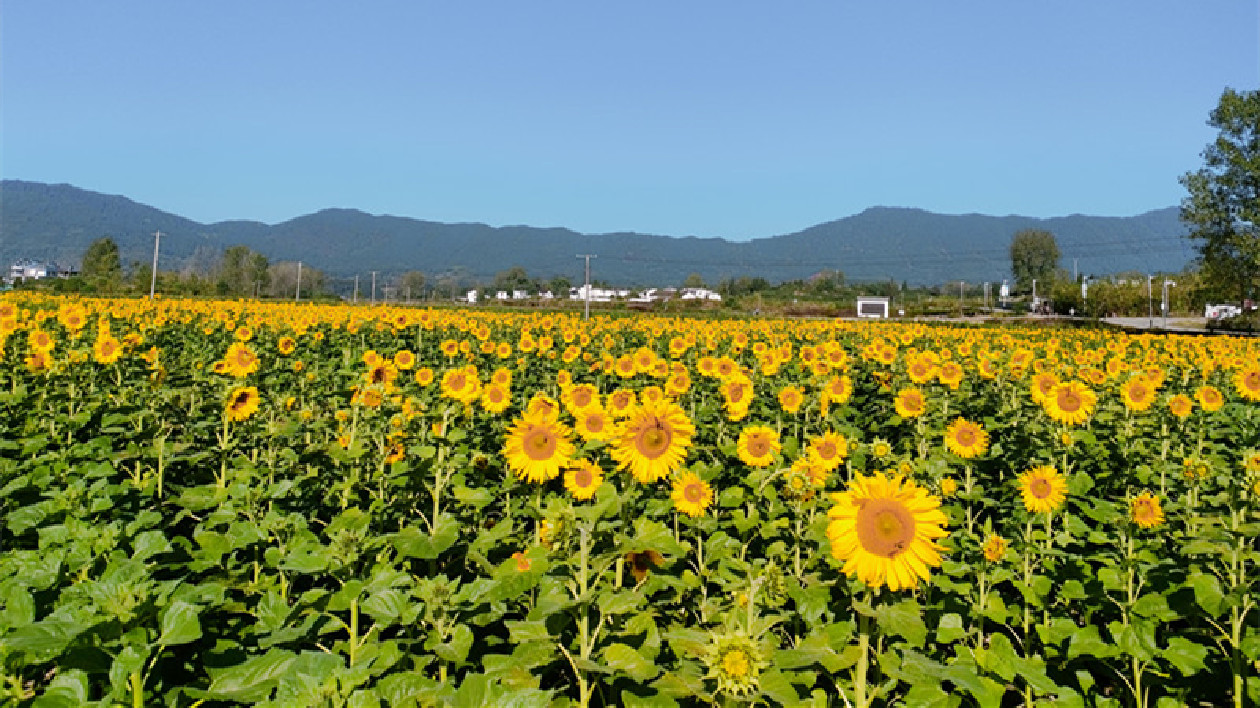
[
  {"x": 471, "y": 297},
  {"x": 872, "y": 306},
  {"x": 700, "y": 294},
  {"x": 597, "y": 294}
]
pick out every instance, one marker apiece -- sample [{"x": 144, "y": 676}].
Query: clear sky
[{"x": 711, "y": 118}]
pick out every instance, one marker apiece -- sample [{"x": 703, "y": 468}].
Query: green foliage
[
  {"x": 1223, "y": 204},
  {"x": 1034, "y": 256},
  {"x": 100, "y": 261}
]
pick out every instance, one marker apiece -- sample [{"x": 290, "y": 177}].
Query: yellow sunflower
[
  {"x": 994, "y": 548},
  {"x": 1044, "y": 489},
  {"x": 757, "y": 445},
  {"x": 884, "y": 529},
  {"x": 1247, "y": 382},
  {"x": 1209, "y": 398},
  {"x": 1181, "y": 405},
  {"x": 910, "y": 403},
  {"x": 241, "y": 403},
  {"x": 537, "y": 448},
  {"x": 1070, "y": 403},
  {"x": 653, "y": 440},
  {"x": 583, "y": 479},
  {"x": 107, "y": 350},
  {"x": 966, "y": 439},
  {"x": 1145, "y": 510},
  {"x": 240, "y": 360},
  {"x": 594, "y": 423},
  {"x": 495, "y": 398},
  {"x": 692, "y": 495},
  {"x": 791, "y": 398},
  {"x": 828, "y": 450},
  {"x": 1137, "y": 394}
]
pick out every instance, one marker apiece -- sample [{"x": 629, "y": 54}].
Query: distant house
[
  {"x": 520, "y": 295},
  {"x": 699, "y": 294},
  {"x": 597, "y": 294},
  {"x": 471, "y": 297},
  {"x": 28, "y": 269},
  {"x": 872, "y": 306}
]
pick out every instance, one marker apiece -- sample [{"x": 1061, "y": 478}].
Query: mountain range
[{"x": 56, "y": 222}]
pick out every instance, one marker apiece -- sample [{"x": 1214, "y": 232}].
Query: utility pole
[
  {"x": 408, "y": 294},
  {"x": 962, "y": 287},
  {"x": 986, "y": 295},
  {"x": 1150, "y": 305},
  {"x": 373, "y": 287},
  {"x": 1165, "y": 305},
  {"x": 297, "y": 294},
  {"x": 157, "y": 237},
  {"x": 1034, "y": 302},
  {"x": 356, "y": 289},
  {"x": 588, "y": 258},
  {"x": 1075, "y": 274}
]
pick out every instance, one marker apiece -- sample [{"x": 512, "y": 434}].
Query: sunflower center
[
  {"x": 539, "y": 444},
  {"x": 241, "y": 399},
  {"x": 581, "y": 398},
  {"x": 1251, "y": 381},
  {"x": 582, "y": 477},
  {"x": 595, "y": 423},
  {"x": 736, "y": 664},
  {"x": 885, "y": 527},
  {"x": 965, "y": 437},
  {"x": 1040, "y": 487},
  {"x": 654, "y": 440},
  {"x": 1069, "y": 401},
  {"x": 826, "y": 450},
  {"x": 693, "y": 493}
]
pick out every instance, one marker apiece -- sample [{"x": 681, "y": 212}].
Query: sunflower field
[{"x": 238, "y": 503}]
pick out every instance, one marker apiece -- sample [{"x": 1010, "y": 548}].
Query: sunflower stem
[{"x": 860, "y": 697}]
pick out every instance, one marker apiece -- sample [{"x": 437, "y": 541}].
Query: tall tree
[
  {"x": 101, "y": 260},
  {"x": 1034, "y": 256},
  {"x": 243, "y": 272},
  {"x": 1223, "y": 205},
  {"x": 411, "y": 284}
]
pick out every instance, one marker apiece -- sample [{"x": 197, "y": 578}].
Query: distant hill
[{"x": 57, "y": 222}]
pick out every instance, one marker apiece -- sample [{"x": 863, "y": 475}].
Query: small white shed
[{"x": 873, "y": 306}]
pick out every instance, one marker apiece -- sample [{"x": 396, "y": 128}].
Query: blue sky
[{"x": 719, "y": 119}]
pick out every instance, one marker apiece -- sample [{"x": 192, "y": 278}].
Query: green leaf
[
  {"x": 904, "y": 619},
  {"x": 68, "y": 689},
  {"x": 1207, "y": 592},
  {"x": 180, "y": 624},
  {"x": 929, "y": 695},
  {"x": 149, "y": 544},
  {"x": 1186, "y": 657},
  {"x": 411, "y": 542},
  {"x": 950, "y": 628},
  {"x": 631, "y": 700},
  {"x": 456, "y": 650},
  {"x": 775, "y": 684},
  {"x": 252, "y": 680},
  {"x": 621, "y": 657},
  {"x": 1086, "y": 642},
  {"x": 44, "y": 640}
]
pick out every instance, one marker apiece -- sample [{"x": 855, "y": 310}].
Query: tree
[
  {"x": 411, "y": 284},
  {"x": 283, "y": 281},
  {"x": 101, "y": 260},
  {"x": 694, "y": 280},
  {"x": 1034, "y": 256},
  {"x": 243, "y": 272},
  {"x": 514, "y": 278},
  {"x": 1222, "y": 208},
  {"x": 560, "y": 286}
]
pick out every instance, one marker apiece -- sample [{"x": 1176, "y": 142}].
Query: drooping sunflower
[
  {"x": 241, "y": 403},
  {"x": 1070, "y": 403},
  {"x": 757, "y": 445},
  {"x": 692, "y": 495},
  {"x": 994, "y": 548},
  {"x": 537, "y": 448},
  {"x": 1137, "y": 394},
  {"x": 885, "y": 531},
  {"x": 910, "y": 403},
  {"x": 583, "y": 479},
  {"x": 652, "y": 442},
  {"x": 1146, "y": 511},
  {"x": 1044, "y": 489},
  {"x": 966, "y": 439}
]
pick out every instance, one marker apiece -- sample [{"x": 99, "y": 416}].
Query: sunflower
[
  {"x": 950, "y": 374},
  {"x": 691, "y": 495},
  {"x": 838, "y": 390},
  {"x": 653, "y": 440},
  {"x": 41, "y": 341},
  {"x": 1181, "y": 405},
  {"x": 241, "y": 403},
  {"x": 404, "y": 360},
  {"x": 537, "y": 448},
  {"x": 594, "y": 424},
  {"x": 880, "y": 447},
  {"x": 910, "y": 403},
  {"x": 828, "y": 450},
  {"x": 583, "y": 479},
  {"x": 1137, "y": 394},
  {"x": 884, "y": 529},
  {"x": 757, "y": 445},
  {"x": 1247, "y": 382},
  {"x": 995, "y": 548},
  {"x": 791, "y": 398},
  {"x": 1145, "y": 510},
  {"x": 1070, "y": 403},
  {"x": 966, "y": 439},
  {"x": 286, "y": 345},
  {"x": 240, "y": 360},
  {"x": 461, "y": 385},
  {"x": 735, "y": 661},
  {"x": 1209, "y": 398},
  {"x": 424, "y": 376},
  {"x": 495, "y": 398},
  {"x": 1044, "y": 489},
  {"x": 1251, "y": 460},
  {"x": 107, "y": 350},
  {"x": 948, "y": 486},
  {"x": 1042, "y": 385},
  {"x": 621, "y": 402}
]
